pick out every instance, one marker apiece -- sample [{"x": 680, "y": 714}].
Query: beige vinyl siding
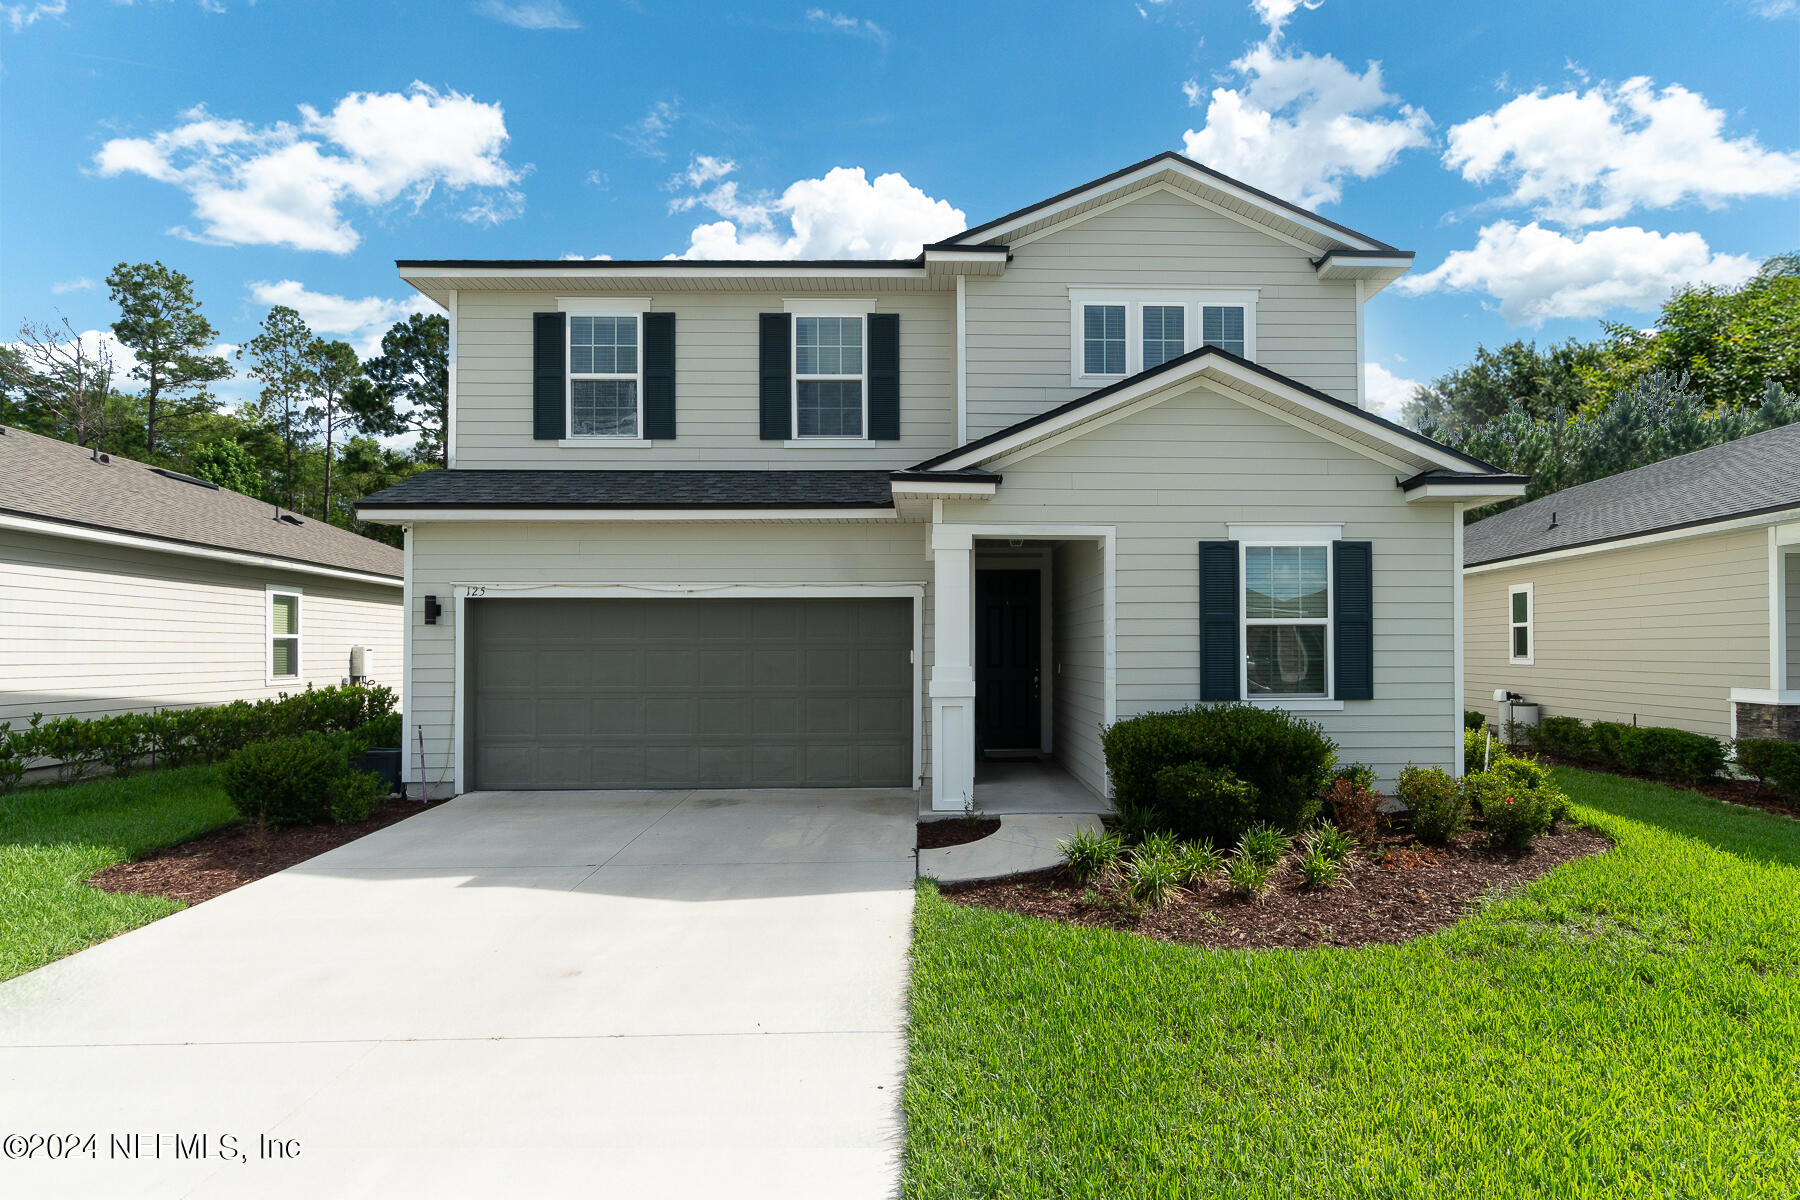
[
  {"x": 600, "y": 554},
  {"x": 1078, "y": 660},
  {"x": 88, "y": 629},
  {"x": 716, "y": 338},
  {"x": 1660, "y": 633},
  {"x": 1019, "y": 335},
  {"x": 1172, "y": 475}
]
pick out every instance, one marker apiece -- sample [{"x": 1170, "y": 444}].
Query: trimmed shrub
[
  {"x": 1565, "y": 737},
  {"x": 1283, "y": 758},
  {"x": 1773, "y": 763},
  {"x": 1197, "y": 801},
  {"x": 288, "y": 782},
  {"x": 1612, "y": 745},
  {"x": 1515, "y": 817},
  {"x": 1676, "y": 754},
  {"x": 1473, "y": 719},
  {"x": 354, "y": 795},
  {"x": 1438, "y": 807},
  {"x": 1354, "y": 809}
]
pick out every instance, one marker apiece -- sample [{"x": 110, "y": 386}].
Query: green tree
[
  {"x": 1728, "y": 341},
  {"x": 366, "y": 467},
  {"x": 285, "y": 364},
  {"x": 407, "y": 386},
  {"x": 229, "y": 465},
  {"x": 161, "y": 322},
  {"x": 1516, "y": 377},
  {"x": 337, "y": 371}
]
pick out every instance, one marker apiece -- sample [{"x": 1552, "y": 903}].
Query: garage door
[{"x": 690, "y": 693}]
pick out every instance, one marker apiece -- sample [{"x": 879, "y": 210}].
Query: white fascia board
[
  {"x": 1464, "y": 493},
  {"x": 108, "y": 537},
  {"x": 391, "y": 516},
  {"x": 852, "y": 270},
  {"x": 1645, "y": 539},
  {"x": 1329, "y": 238},
  {"x": 961, "y": 489}
]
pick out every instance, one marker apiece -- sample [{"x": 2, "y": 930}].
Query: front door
[{"x": 1008, "y": 667}]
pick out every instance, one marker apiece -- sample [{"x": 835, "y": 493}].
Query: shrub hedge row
[
  {"x": 1664, "y": 753},
  {"x": 178, "y": 737},
  {"x": 302, "y": 780}
]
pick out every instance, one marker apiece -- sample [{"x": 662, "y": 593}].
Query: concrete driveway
[{"x": 517, "y": 994}]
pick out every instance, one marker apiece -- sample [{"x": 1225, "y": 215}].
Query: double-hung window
[
  {"x": 1521, "y": 635},
  {"x": 830, "y": 393},
  {"x": 282, "y": 637},
  {"x": 605, "y": 380},
  {"x": 1119, "y": 333},
  {"x": 1287, "y": 620}
]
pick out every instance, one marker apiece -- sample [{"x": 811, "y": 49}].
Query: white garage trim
[{"x": 464, "y": 592}]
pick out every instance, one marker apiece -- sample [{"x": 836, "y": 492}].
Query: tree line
[
  {"x": 310, "y": 440},
  {"x": 1720, "y": 363}
]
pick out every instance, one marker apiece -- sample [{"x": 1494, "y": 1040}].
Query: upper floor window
[
  {"x": 604, "y": 376},
  {"x": 1119, "y": 333},
  {"x": 829, "y": 367}
]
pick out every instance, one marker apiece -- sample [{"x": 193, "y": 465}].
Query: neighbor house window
[
  {"x": 1521, "y": 636},
  {"x": 284, "y": 634},
  {"x": 1103, "y": 339},
  {"x": 828, "y": 377},
  {"x": 603, "y": 376},
  {"x": 1287, "y": 620},
  {"x": 1222, "y": 325},
  {"x": 1165, "y": 333},
  {"x": 1117, "y": 333}
]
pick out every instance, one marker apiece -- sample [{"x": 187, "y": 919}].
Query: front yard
[{"x": 1628, "y": 1025}]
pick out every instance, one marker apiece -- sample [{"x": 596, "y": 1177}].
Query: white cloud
[
  {"x": 20, "y": 16},
  {"x": 1775, "y": 9},
  {"x": 361, "y": 322},
  {"x": 84, "y": 284},
  {"x": 288, "y": 183},
  {"x": 1585, "y": 157},
  {"x": 529, "y": 14},
  {"x": 1385, "y": 393},
  {"x": 854, "y": 26},
  {"x": 1301, "y": 125},
  {"x": 1539, "y": 274},
  {"x": 842, "y": 215},
  {"x": 647, "y": 134},
  {"x": 702, "y": 169}
]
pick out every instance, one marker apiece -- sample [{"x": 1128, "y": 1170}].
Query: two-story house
[{"x": 863, "y": 523}]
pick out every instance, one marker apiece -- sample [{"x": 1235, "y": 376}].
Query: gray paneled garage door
[{"x": 690, "y": 693}]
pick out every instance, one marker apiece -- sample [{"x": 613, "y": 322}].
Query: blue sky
[{"x": 1552, "y": 164}]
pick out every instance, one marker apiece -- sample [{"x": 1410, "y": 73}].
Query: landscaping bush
[
  {"x": 1612, "y": 745},
  {"x": 1284, "y": 759},
  {"x": 1439, "y": 809},
  {"x": 1333, "y": 843},
  {"x": 1318, "y": 870},
  {"x": 1565, "y": 737},
  {"x": 1153, "y": 881},
  {"x": 1197, "y": 862},
  {"x": 303, "y": 780},
  {"x": 1773, "y": 763},
  {"x": 1354, "y": 809},
  {"x": 1265, "y": 843},
  {"x": 1515, "y": 817},
  {"x": 1361, "y": 774},
  {"x": 1091, "y": 854},
  {"x": 1248, "y": 875},
  {"x": 1198, "y": 801},
  {"x": 1473, "y": 719},
  {"x": 1676, "y": 754},
  {"x": 180, "y": 737}
]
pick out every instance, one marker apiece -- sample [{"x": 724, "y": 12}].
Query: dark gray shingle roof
[
  {"x": 1759, "y": 473},
  {"x": 56, "y": 481},
  {"x": 637, "y": 489}
]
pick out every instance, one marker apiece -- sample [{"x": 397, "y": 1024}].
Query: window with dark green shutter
[
  {"x": 549, "y": 378},
  {"x": 1353, "y": 616},
  {"x": 884, "y": 377},
  {"x": 659, "y": 376},
  {"x": 775, "y": 378},
  {"x": 1220, "y": 661}
]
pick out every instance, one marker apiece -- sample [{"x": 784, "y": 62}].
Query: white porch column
[{"x": 953, "y": 669}]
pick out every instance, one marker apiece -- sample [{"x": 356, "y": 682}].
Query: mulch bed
[
  {"x": 1394, "y": 891},
  {"x": 228, "y": 858},
  {"x": 955, "y": 831}
]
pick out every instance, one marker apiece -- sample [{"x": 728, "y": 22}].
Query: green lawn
[
  {"x": 1629, "y": 1025},
  {"x": 53, "y": 838}
]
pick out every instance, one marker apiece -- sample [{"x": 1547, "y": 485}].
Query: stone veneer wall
[{"x": 1780, "y": 721}]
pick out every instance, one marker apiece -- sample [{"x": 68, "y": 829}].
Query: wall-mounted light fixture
[{"x": 433, "y": 610}]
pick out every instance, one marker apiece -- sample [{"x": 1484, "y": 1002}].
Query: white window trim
[
  {"x": 832, "y": 441},
  {"x": 1530, "y": 624},
  {"x": 270, "y": 591},
  {"x": 1249, "y": 536},
  {"x": 1190, "y": 300},
  {"x": 569, "y": 378}
]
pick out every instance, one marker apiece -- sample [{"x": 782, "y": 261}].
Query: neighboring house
[
  {"x": 126, "y": 587},
  {"x": 1668, "y": 595},
  {"x": 861, "y": 523}
]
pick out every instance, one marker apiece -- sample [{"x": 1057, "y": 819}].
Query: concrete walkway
[
  {"x": 1024, "y": 842},
  {"x": 518, "y": 994}
]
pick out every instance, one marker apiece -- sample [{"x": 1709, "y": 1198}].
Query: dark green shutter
[
  {"x": 775, "y": 379},
  {"x": 1353, "y": 619},
  {"x": 659, "y": 375},
  {"x": 884, "y": 377},
  {"x": 549, "y": 385},
  {"x": 1221, "y": 662}
]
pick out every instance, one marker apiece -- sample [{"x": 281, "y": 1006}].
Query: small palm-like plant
[
  {"x": 1318, "y": 870},
  {"x": 1161, "y": 844},
  {"x": 1265, "y": 843},
  {"x": 1152, "y": 882},
  {"x": 1197, "y": 862},
  {"x": 1248, "y": 875},
  {"x": 1091, "y": 854}
]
